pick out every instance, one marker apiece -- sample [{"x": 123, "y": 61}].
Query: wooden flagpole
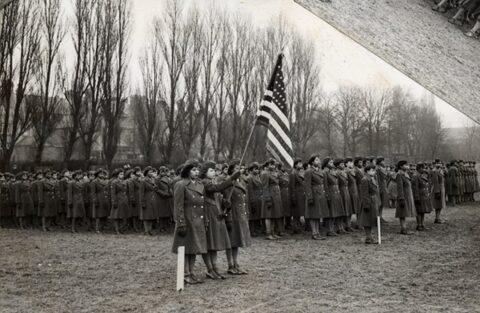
[
  {"x": 379, "y": 230},
  {"x": 180, "y": 267}
]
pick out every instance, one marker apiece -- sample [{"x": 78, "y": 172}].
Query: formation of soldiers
[{"x": 219, "y": 207}]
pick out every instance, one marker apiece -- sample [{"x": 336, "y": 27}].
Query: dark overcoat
[
  {"x": 189, "y": 211},
  {"x": 353, "y": 191},
  {"x": 334, "y": 197},
  {"x": 284, "y": 183},
  {"x": 217, "y": 234},
  {"x": 100, "y": 197},
  {"x": 120, "y": 204},
  {"x": 255, "y": 192},
  {"x": 315, "y": 193},
  {"x": 75, "y": 199},
  {"x": 272, "y": 199},
  {"x": 344, "y": 191},
  {"x": 150, "y": 199},
  {"x": 24, "y": 199},
  {"x": 369, "y": 193},
  {"x": 422, "y": 193},
  {"x": 48, "y": 198},
  {"x": 452, "y": 181},
  {"x": 239, "y": 231},
  {"x": 405, "y": 207},
  {"x": 164, "y": 191},
  {"x": 297, "y": 193}
]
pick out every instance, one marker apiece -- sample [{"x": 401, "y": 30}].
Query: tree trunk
[{"x": 39, "y": 151}]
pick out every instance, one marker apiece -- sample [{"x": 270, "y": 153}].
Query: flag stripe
[
  {"x": 280, "y": 148},
  {"x": 279, "y": 133},
  {"x": 275, "y": 109}
]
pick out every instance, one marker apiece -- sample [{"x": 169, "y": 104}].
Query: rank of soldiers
[{"x": 219, "y": 207}]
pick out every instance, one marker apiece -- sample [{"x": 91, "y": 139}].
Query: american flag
[{"x": 273, "y": 114}]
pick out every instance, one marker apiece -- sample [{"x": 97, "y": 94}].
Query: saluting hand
[{"x": 182, "y": 230}]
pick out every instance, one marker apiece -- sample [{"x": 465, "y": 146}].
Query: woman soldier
[
  {"x": 283, "y": 181},
  {"x": 217, "y": 233},
  {"x": 405, "y": 206},
  {"x": 4, "y": 199},
  {"x": 298, "y": 197},
  {"x": 23, "y": 198},
  {"x": 190, "y": 218},
  {"x": 47, "y": 200},
  {"x": 164, "y": 204},
  {"x": 438, "y": 182},
  {"x": 422, "y": 192},
  {"x": 342, "y": 176},
  {"x": 100, "y": 198},
  {"x": 75, "y": 199},
  {"x": 317, "y": 205},
  {"x": 120, "y": 206},
  {"x": 237, "y": 219},
  {"x": 272, "y": 209},
  {"x": 150, "y": 197},
  {"x": 87, "y": 199},
  {"x": 369, "y": 209},
  {"x": 66, "y": 177},
  {"x": 334, "y": 198},
  {"x": 255, "y": 192},
  {"x": 352, "y": 190}
]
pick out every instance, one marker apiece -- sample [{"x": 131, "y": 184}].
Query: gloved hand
[
  {"x": 310, "y": 201},
  {"x": 229, "y": 225},
  {"x": 182, "y": 230},
  {"x": 438, "y": 195},
  {"x": 401, "y": 203}
]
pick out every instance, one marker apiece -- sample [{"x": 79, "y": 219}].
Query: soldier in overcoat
[
  {"x": 164, "y": 206},
  {"x": 352, "y": 189},
  {"x": 315, "y": 193},
  {"x": 283, "y": 181},
  {"x": 5, "y": 208},
  {"x": 272, "y": 208},
  {"x": 298, "y": 195},
  {"x": 47, "y": 200},
  {"x": 120, "y": 204},
  {"x": 132, "y": 216},
  {"x": 334, "y": 198},
  {"x": 383, "y": 179},
  {"x": 150, "y": 199},
  {"x": 217, "y": 234},
  {"x": 238, "y": 231},
  {"x": 190, "y": 218},
  {"x": 342, "y": 176},
  {"x": 75, "y": 198},
  {"x": 405, "y": 205},
  {"x": 66, "y": 177},
  {"x": 369, "y": 209},
  {"x": 422, "y": 193},
  {"x": 452, "y": 183},
  {"x": 23, "y": 198},
  {"x": 255, "y": 192},
  {"x": 100, "y": 199},
  {"x": 437, "y": 177}
]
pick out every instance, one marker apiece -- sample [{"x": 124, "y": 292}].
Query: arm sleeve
[{"x": 179, "y": 204}]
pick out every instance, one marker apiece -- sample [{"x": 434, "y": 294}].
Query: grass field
[{"x": 433, "y": 271}]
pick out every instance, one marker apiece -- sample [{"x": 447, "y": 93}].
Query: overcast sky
[{"x": 343, "y": 61}]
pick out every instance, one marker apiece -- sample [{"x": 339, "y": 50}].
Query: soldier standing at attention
[
  {"x": 237, "y": 219},
  {"x": 405, "y": 207},
  {"x": 190, "y": 218},
  {"x": 164, "y": 209},
  {"x": 120, "y": 206},
  {"x": 23, "y": 197},
  {"x": 272, "y": 209},
  {"x": 255, "y": 194},
  {"x": 369, "y": 209},
  {"x": 453, "y": 183},
  {"x": 75, "y": 199},
  {"x": 438, "y": 182},
  {"x": 334, "y": 198},
  {"x": 100, "y": 198},
  {"x": 422, "y": 192},
  {"x": 46, "y": 200},
  {"x": 352, "y": 190},
  {"x": 298, "y": 195},
  {"x": 383, "y": 177},
  {"x": 342, "y": 176},
  {"x": 150, "y": 200},
  {"x": 283, "y": 179},
  {"x": 315, "y": 193}
]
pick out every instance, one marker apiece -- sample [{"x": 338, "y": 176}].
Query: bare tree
[
  {"x": 48, "y": 112},
  {"x": 117, "y": 27},
  {"x": 348, "y": 118},
  {"x": 147, "y": 107},
  {"x": 74, "y": 82},
  {"x": 173, "y": 35},
  {"x": 20, "y": 45},
  {"x": 189, "y": 109},
  {"x": 209, "y": 84},
  {"x": 90, "y": 123},
  {"x": 374, "y": 107},
  {"x": 328, "y": 125}
]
